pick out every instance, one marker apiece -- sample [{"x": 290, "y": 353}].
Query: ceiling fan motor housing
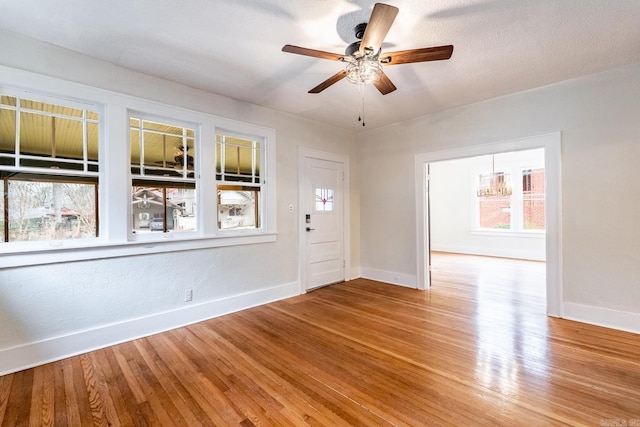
[
  {"x": 359, "y": 30},
  {"x": 355, "y": 46},
  {"x": 352, "y": 48}
]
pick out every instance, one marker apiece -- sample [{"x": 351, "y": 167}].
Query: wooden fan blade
[
  {"x": 331, "y": 80},
  {"x": 437, "y": 53},
  {"x": 384, "y": 85},
  {"x": 311, "y": 52},
  {"x": 381, "y": 19}
]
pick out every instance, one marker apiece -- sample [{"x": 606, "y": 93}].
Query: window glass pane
[
  {"x": 159, "y": 150},
  {"x": 181, "y": 161},
  {"x": 35, "y": 134},
  {"x": 2, "y": 215},
  {"x": 324, "y": 200},
  {"x": 494, "y": 184},
  {"x": 51, "y": 210},
  {"x": 257, "y": 162},
  {"x": 163, "y": 209},
  {"x": 163, "y": 150},
  {"x": 238, "y": 207},
  {"x": 68, "y": 140},
  {"x": 8, "y": 100},
  {"x": 533, "y": 199},
  {"x": 50, "y": 137},
  {"x": 245, "y": 161},
  {"x": 134, "y": 138},
  {"x": 495, "y": 212},
  {"x": 237, "y": 159},
  {"x": 92, "y": 141},
  {"x": 51, "y": 108},
  {"x": 231, "y": 163},
  {"x": 218, "y": 159},
  {"x": 7, "y": 130},
  {"x": 162, "y": 128}
]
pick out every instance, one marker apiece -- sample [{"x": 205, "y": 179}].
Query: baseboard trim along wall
[
  {"x": 605, "y": 317},
  {"x": 38, "y": 353},
  {"x": 391, "y": 277},
  {"x": 493, "y": 252}
]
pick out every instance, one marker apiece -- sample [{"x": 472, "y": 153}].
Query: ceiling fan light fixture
[{"x": 363, "y": 70}]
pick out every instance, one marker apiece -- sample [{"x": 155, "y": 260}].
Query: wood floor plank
[
  {"x": 6, "y": 382},
  {"x": 60, "y": 394},
  {"x": 18, "y": 404},
  {"x": 476, "y": 349},
  {"x": 74, "y": 403}
]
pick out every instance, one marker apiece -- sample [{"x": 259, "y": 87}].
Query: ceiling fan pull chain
[
  {"x": 362, "y": 93},
  {"x": 359, "y": 110}
]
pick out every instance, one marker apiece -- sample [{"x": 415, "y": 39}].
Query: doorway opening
[
  {"x": 490, "y": 206},
  {"x": 489, "y": 219}
]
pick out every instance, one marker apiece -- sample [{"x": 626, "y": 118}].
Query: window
[
  {"x": 533, "y": 196},
  {"x": 495, "y": 212},
  {"x": 49, "y": 168},
  {"x": 93, "y": 185},
  {"x": 239, "y": 181},
  {"x": 163, "y": 191},
  {"x": 494, "y": 200},
  {"x": 521, "y": 208}
]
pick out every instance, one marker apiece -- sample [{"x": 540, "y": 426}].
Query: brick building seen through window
[{"x": 522, "y": 210}]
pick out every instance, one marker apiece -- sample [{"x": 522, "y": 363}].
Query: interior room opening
[{"x": 486, "y": 213}]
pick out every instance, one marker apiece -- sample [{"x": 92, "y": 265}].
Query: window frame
[
  {"x": 165, "y": 181},
  {"x": 115, "y": 178},
  {"x": 262, "y": 213},
  {"x": 40, "y": 174}
]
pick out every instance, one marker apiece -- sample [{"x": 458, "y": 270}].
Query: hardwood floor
[{"x": 476, "y": 350}]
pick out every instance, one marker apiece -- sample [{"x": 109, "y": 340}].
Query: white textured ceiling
[{"x": 233, "y": 47}]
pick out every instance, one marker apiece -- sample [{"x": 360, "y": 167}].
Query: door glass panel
[{"x": 324, "y": 200}]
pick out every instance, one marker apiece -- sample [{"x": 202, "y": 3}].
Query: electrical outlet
[
  {"x": 291, "y": 208},
  {"x": 188, "y": 295}
]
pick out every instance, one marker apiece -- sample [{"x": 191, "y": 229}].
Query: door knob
[{"x": 310, "y": 229}]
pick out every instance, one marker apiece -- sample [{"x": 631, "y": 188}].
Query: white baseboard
[
  {"x": 38, "y": 353},
  {"x": 599, "y": 316},
  {"x": 494, "y": 251},
  {"x": 392, "y": 277},
  {"x": 354, "y": 273}
]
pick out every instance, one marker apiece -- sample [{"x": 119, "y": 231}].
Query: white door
[{"x": 323, "y": 223}]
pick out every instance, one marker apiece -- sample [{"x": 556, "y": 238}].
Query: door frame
[
  {"x": 551, "y": 143},
  {"x": 303, "y": 155}
]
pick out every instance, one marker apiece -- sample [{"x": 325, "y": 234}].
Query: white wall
[
  {"x": 50, "y": 311},
  {"x": 453, "y": 207},
  {"x": 599, "y": 120}
]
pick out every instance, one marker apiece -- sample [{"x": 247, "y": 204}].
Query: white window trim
[
  {"x": 155, "y": 237},
  {"x": 115, "y": 188},
  {"x": 266, "y": 213}
]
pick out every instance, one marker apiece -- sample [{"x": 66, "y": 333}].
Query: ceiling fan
[
  {"x": 178, "y": 158},
  {"x": 364, "y": 57}
]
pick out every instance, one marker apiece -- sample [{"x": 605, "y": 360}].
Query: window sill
[
  {"x": 533, "y": 234},
  {"x": 68, "y": 251}
]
